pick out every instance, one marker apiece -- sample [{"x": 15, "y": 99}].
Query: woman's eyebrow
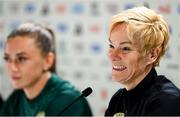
[{"x": 125, "y": 42}]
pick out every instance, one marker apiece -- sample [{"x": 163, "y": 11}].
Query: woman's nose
[
  {"x": 114, "y": 54},
  {"x": 12, "y": 67}
]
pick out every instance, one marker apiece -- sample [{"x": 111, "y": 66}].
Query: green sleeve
[
  {"x": 10, "y": 104},
  {"x": 4, "y": 111}
]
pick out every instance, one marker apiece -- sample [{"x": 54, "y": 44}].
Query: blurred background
[{"x": 81, "y": 28}]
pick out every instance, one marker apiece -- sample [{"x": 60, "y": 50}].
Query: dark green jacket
[{"x": 56, "y": 95}]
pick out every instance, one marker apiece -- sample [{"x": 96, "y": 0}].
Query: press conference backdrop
[{"x": 81, "y": 39}]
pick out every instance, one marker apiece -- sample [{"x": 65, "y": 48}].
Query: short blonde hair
[{"x": 146, "y": 27}]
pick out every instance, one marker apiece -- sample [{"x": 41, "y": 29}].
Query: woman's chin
[
  {"x": 117, "y": 79},
  {"x": 15, "y": 86}
]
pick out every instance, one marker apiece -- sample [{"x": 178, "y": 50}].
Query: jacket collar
[{"x": 144, "y": 84}]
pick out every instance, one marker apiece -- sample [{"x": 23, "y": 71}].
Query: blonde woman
[{"x": 138, "y": 39}]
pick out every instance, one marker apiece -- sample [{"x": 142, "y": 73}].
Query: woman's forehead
[{"x": 18, "y": 44}]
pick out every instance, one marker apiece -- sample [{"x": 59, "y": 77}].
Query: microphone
[{"x": 86, "y": 92}]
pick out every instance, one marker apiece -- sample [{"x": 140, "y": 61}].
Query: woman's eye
[
  {"x": 126, "y": 49},
  {"x": 21, "y": 59},
  {"x": 111, "y": 46},
  {"x": 6, "y": 58}
]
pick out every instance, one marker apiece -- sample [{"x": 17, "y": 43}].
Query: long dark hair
[{"x": 44, "y": 38}]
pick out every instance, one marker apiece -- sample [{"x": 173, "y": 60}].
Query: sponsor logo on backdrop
[
  {"x": 45, "y": 9},
  {"x": 14, "y": 8},
  {"x": 94, "y": 28},
  {"x": 61, "y": 8},
  {"x": 62, "y": 27},
  {"x": 112, "y": 8},
  {"x": 78, "y": 29},
  {"x": 165, "y": 8},
  {"x": 94, "y": 9},
  {"x": 78, "y": 8},
  {"x": 129, "y": 6},
  {"x": 96, "y": 48},
  {"x": 30, "y": 8}
]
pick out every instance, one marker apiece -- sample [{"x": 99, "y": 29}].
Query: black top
[
  {"x": 1, "y": 101},
  {"x": 154, "y": 95}
]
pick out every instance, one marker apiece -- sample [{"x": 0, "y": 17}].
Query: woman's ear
[
  {"x": 50, "y": 58},
  {"x": 153, "y": 55}
]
